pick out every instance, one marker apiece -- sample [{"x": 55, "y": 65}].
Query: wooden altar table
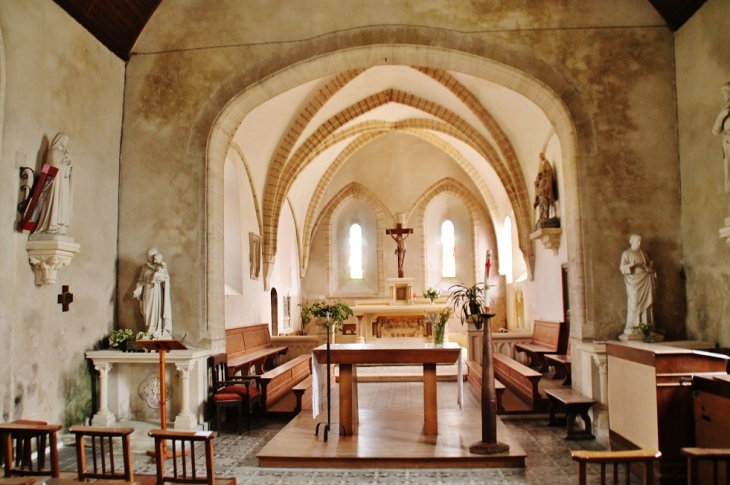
[{"x": 348, "y": 356}]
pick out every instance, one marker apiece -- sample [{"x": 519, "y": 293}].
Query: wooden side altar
[{"x": 650, "y": 399}]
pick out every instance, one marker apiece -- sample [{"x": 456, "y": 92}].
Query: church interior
[{"x": 202, "y": 175}]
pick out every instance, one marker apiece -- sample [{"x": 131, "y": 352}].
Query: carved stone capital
[
  {"x": 48, "y": 256},
  {"x": 550, "y": 238}
]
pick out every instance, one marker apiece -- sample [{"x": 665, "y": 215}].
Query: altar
[
  {"x": 400, "y": 317},
  {"x": 129, "y": 386}
]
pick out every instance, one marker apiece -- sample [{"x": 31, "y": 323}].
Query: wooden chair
[
  {"x": 647, "y": 457},
  {"x": 185, "y": 457},
  {"x": 103, "y": 464},
  {"x": 239, "y": 392},
  {"x": 29, "y": 436},
  {"x": 714, "y": 455}
]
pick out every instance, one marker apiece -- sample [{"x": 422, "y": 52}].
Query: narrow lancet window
[
  {"x": 356, "y": 252},
  {"x": 448, "y": 262}
]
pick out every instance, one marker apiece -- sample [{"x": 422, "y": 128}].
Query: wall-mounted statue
[
  {"x": 545, "y": 196},
  {"x": 153, "y": 293},
  {"x": 58, "y": 206},
  {"x": 640, "y": 279},
  {"x": 722, "y": 127}
]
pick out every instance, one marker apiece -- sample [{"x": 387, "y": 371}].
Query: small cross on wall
[{"x": 65, "y": 298}]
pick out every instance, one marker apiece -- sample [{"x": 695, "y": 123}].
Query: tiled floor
[{"x": 548, "y": 460}]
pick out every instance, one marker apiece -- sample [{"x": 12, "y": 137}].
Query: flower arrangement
[
  {"x": 438, "y": 321},
  {"x": 118, "y": 337},
  {"x": 647, "y": 331},
  {"x": 431, "y": 294},
  {"x": 338, "y": 312},
  {"x": 145, "y": 336}
]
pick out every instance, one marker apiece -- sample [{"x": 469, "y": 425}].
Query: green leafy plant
[
  {"x": 468, "y": 301},
  {"x": 119, "y": 336},
  {"x": 338, "y": 312},
  {"x": 431, "y": 294},
  {"x": 146, "y": 336}
]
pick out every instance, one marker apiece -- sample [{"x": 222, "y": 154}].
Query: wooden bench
[
  {"x": 518, "y": 378},
  {"x": 278, "y": 382},
  {"x": 575, "y": 404},
  {"x": 303, "y": 393},
  {"x": 251, "y": 346},
  {"x": 547, "y": 338},
  {"x": 474, "y": 378},
  {"x": 562, "y": 366}
]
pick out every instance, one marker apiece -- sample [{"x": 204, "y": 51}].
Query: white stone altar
[{"x": 129, "y": 385}]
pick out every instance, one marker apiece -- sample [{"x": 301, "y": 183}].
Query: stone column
[
  {"x": 185, "y": 418},
  {"x": 104, "y": 417}
]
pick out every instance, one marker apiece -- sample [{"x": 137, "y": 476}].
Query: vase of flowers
[
  {"x": 438, "y": 321},
  {"x": 431, "y": 294},
  {"x": 338, "y": 312},
  {"x": 649, "y": 332}
]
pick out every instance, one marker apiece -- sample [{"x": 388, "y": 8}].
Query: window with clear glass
[
  {"x": 356, "y": 252},
  {"x": 448, "y": 259}
]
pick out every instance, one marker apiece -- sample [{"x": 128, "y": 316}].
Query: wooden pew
[
  {"x": 474, "y": 378},
  {"x": 518, "y": 378},
  {"x": 303, "y": 393},
  {"x": 547, "y": 338},
  {"x": 251, "y": 346},
  {"x": 575, "y": 404},
  {"x": 278, "y": 382}
]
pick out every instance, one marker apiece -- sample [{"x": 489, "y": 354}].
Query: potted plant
[
  {"x": 649, "y": 332},
  {"x": 431, "y": 294},
  {"x": 119, "y": 338},
  {"x": 468, "y": 302},
  {"x": 338, "y": 312}
]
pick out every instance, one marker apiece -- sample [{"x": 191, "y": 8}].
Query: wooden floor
[{"x": 389, "y": 438}]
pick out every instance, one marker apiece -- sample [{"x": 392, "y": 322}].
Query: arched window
[
  {"x": 356, "y": 252},
  {"x": 448, "y": 259}
]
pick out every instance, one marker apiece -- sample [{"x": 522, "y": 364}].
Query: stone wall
[
  {"x": 703, "y": 65},
  {"x": 54, "y": 76}
]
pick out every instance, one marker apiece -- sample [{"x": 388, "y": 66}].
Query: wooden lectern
[{"x": 162, "y": 347}]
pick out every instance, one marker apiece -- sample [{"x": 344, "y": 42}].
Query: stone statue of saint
[
  {"x": 153, "y": 293},
  {"x": 544, "y": 193},
  {"x": 640, "y": 279},
  {"x": 722, "y": 127},
  {"x": 58, "y": 206}
]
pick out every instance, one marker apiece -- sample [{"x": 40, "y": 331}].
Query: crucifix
[
  {"x": 399, "y": 235},
  {"x": 65, "y": 298}
]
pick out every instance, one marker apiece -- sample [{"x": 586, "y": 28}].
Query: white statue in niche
[
  {"x": 640, "y": 279},
  {"x": 153, "y": 293},
  {"x": 722, "y": 127},
  {"x": 57, "y": 209}
]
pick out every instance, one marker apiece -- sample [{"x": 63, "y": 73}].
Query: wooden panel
[
  {"x": 546, "y": 334},
  {"x": 278, "y": 382},
  {"x": 241, "y": 340},
  {"x": 519, "y": 378}
]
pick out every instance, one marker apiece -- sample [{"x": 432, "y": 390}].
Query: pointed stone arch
[
  {"x": 548, "y": 86},
  {"x": 382, "y": 216}
]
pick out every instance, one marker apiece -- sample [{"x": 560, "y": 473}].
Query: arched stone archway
[{"x": 544, "y": 85}]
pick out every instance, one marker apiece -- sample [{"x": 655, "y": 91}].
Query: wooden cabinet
[
  {"x": 650, "y": 399},
  {"x": 711, "y": 399}
]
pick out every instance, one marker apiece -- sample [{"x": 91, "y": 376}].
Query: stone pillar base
[{"x": 103, "y": 420}]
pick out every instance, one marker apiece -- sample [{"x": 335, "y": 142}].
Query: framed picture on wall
[{"x": 254, "y": 255}]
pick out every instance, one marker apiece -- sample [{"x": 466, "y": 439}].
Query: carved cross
[
  {"x": 65, "y": 298},
  {"x": 399, "y": 234}
]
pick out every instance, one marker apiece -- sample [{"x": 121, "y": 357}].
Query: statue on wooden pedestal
[
  {"x": 640, "y": 279},
  {"x": 153, "y": 293}
]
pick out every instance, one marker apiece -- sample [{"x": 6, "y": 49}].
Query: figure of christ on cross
[{"x": 399, "y": 235}]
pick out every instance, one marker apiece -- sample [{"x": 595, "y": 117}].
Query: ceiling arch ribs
[
  {"x": 507, "y": 151},
  {"x": 477, "y": 215},
  {"x": 381, "y": 212},
  {"x": 369, "y": 131},
  {"x": 281, "y": 184},
  {"x": 236, "y": 147}
]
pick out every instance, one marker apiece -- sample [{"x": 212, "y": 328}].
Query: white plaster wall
[
  {"x": 703, "y": 65},
  {"x": 233, "y": 235},
  {"x": 57, "y": 77},
  {"x": 441, "y": 208}
]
